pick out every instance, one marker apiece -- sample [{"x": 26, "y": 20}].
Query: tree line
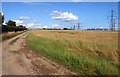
[{"x": 10, "y": 25}]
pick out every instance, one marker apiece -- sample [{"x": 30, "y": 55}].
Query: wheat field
[{"x": 85, "y": 52}]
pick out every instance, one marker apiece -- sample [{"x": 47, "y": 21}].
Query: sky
[
  {"x": 59, "y": 14},
  {"x": 59, "y": 0}
]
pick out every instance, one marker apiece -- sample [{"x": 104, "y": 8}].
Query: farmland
[{"x": 85, "y": 52}]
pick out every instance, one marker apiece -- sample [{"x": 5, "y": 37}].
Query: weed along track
[
  {"x": 13, "y": 41},
  {"x": 84, "y": 52},
  {"x": 42, "y": 65}
]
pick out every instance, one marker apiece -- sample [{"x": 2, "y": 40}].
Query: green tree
[
  {"x": 66, "y": 29},
  {"x": 1, "y": 18},
  {"x": 11, "y": 23}
]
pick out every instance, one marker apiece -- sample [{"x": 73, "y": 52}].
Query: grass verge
[
  {"x": 56, "y": 49},
  {"x": 13, "y": 41},
  {"x": 5, "y": 36}
]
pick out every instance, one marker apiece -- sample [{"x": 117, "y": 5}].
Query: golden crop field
[{"x": 85, "y": 52}]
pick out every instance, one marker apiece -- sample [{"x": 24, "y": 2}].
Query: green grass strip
[{"x": 13, "y": 41}]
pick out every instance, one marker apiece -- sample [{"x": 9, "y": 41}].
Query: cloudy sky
[{"x": 59, "y": 14}]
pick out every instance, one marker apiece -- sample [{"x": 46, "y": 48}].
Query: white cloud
[
  {"x": 30, "y": 24},
  {"x": 65, "y": 16},
  {"x": 18, "y": 22},
  {"x": 23, "y": 17},
  {"x": 33, "y": 24},
  {"x": 101, "y": 27},
  {"x": 55, "y": 26},
  {"x": 4, "y": 23},
  {"x": 2, "y": 13},
  {"x": 21, "y": 21},
  {"x": 45, "y": 27}
]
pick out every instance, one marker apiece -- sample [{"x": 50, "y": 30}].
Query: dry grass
[
  {"x": 9, "y": 35},
  {"x": 91, "y": 52},
  {"x": 98, "y": 43}
]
